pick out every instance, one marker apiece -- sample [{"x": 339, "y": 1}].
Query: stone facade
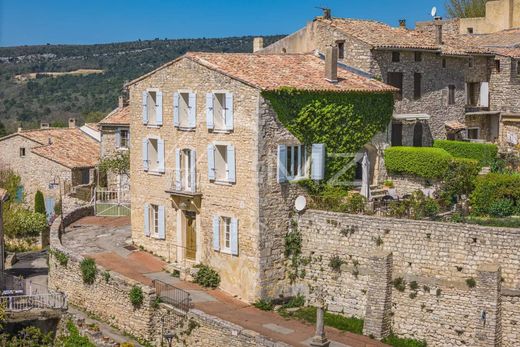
[
  {"x": 500, "y": 15},
  {"x": 435, "y": 261}
]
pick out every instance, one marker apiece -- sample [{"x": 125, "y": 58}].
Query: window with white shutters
[
  {"x": 152, "y": 101},
  {"x": 185, "y": 110},
  {"x": 221, "y": 163},
  {"x": 292, "y": 163},
  {"x": 219, "y": 111},
  {"x": 153, "y": 155},
  {"x": 225, "y": 234}
]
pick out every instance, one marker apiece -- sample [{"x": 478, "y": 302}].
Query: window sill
[
  {"x": 220, "y": 131},
  {"x": 227, "y": 252},
  {"x": 123, "y": 149},
  {"x": 154, "y": 173},
  {"x": 153, "y": 126},
  {"x": 222, "y": 183},
  {"x": 185, "y": 128},
  {"x": 296, "y": 179}
]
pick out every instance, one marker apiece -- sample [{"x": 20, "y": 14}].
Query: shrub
[
  {"x": 61, "y": 257},
  {"x": 425, "y": 162},
  {"x": 355, "y": 203},
  {"x": 264, "y": 304},
  {"x": 20, "y": 222},
  {"x": 136, "y": 296},
  {"x": 296, "y": 301},
  {"x": 492, "y": 188},
  {"x": 335, "y": 263},
  {"x": 399, "y": 284},
  {"x": 471, "y": 283},
  {"x": 388, "y": 183},
  {"x": 395, "y": 341},
  {"x": 501, "y": 208},
  {"x": 207, "y": 277},
  {"x": 459, "y": 179},
  {"x": 106, "y": 276},
  {"x": 88, "y": 270},
  {"x": 39, "y": 203},
  {"x": 484, "y": 153}
]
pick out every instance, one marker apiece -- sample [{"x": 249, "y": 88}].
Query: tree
[
  {"x": 10, "y": 181},
  {"x": 21, "y": 223},
  {"x": 39, "y": 203},
  {"x": 3, "y": 130},
  {"x": 94, "y": 117},
  {"x": 466, "y": 8}
]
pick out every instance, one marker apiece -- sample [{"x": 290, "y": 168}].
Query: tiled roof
[
  {"x": 119, "y": 116},
  {"x": 69, "y": 147},
  {"x": 273, "y": 71}
]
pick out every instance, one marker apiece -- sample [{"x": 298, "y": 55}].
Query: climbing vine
[{"x": 344, "y": 122}]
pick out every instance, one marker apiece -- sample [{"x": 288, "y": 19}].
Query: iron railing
[
  {"x": 17, "y": 303},
  {"x": 174, "y": 296}
]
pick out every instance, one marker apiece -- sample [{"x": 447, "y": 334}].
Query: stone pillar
[
  {"x": 319, "y": 339},
  {"x": 379, "y": 295},
  {"x": 258, "y": 44},
  {"x": 488, "y": 316}
]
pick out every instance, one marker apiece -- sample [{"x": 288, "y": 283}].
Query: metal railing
[
  {"x": 174, "y": 296},
  {"x": 186, "y": 184},
  {"x": 17, "y": 303}
]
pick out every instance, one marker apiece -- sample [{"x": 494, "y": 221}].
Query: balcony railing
[
  {"x": 184, "y": 186},
  {"x": 174, "y": 296}
]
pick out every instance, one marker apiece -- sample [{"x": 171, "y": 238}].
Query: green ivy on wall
[{"x": 343, "y": 121}]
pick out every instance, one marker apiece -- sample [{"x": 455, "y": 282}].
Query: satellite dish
[
  {"x": 300, "y": 203},
  {"x": 434, "y": 11}
]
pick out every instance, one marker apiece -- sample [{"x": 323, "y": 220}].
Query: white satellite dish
[
  {"x": 434, "y": 11},
  {"x": 300, "y": 203}
]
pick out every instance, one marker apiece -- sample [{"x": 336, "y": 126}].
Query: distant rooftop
[{"x": 119, "y": 116}]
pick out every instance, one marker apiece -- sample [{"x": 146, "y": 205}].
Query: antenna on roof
[
  {"x": 434, "y": 12},
  {"x": 327, "y": 14}
]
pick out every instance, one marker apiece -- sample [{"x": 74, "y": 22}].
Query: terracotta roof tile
[
  {"x": 119, "y": 116},
  {"x": 273, "y": 71},
  {"x": 69, "y": 147}
]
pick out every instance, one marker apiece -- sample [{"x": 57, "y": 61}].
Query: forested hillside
[{"x": 28, "y": 99}]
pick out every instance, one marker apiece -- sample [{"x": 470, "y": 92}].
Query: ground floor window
[
  {"x": 154, "y": 221},
  {"x": 225, "y": 234},
  {"x": 473, "y": 133}
]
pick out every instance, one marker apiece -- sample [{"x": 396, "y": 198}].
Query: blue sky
[{"x": 29, "y": 22}]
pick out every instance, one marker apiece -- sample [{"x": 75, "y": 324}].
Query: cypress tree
[{"x": 39, "y": 203}]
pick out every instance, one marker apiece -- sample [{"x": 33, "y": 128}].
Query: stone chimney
[
  {"x": 438, "y": 30},
  {"x": 402, "y": 23},
  {"x": 258, "y": 44},
  {"x": 327, "y": 13},
  {"x": 331, "y": 64},
  {"x": 72, "y": 122},
  {"x": 44, "y": 125},
  {"x": 121, "y": 101},
  {"x": 20, "y": 129}
]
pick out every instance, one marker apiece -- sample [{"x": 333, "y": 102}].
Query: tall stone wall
[{"x": 436, "y": 264}]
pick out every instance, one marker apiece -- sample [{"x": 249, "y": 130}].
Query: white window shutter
[
  {"x": 209, "y": 111},
  {"x": 159, "y": 108},
  {"x": 216, "y": 233},
  {"x": 211, "y": 162},
  {"x": 145, "y": 154},
  {"x": 192, "y": 114},
  {"x": 229, "y": 111},
  {"x": 231, "y": 163},
  {"x": 282, "y": 164},
  {"x": 161, "y": 221},
  {"x": 176, "y": 109},
  {"x": 146, "y": 216},
  {"x": 145, "y": 107},
  {"x": 178, "y": 169},
  {"x": 318, "y": 162},
  {"x": 118, "y": 138},
  {"x": 234, "y": 236},
  {"x": 160, "y": 156},
  {"x": 484, "y": 94},
  {"x": 193, "y": 171}
]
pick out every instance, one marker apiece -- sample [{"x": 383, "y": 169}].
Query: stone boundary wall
[
  {"x": 435, "y": 261},
  {"x": 109, "y": 301}
]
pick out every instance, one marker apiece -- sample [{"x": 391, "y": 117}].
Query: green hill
[{"x": 29, "y": 95}]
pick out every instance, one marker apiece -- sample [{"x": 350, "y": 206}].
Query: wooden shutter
[
  {"x": 161, "y": 221},
  {"x": 192, "y": 111},
  {"x": 282, "y": 164},
  {"x": 118, "y": 138},
  {"x": 178, "y": 169},
  {"x": 145, "y": 107},
  {"x": 145, "y": 154},
  {"x": 176, "y": 109},
  {"x": 158, "y": 108},
  {"x": 193, "y": 171},
  {"x": 229, "y": 111},
  {"x": 160, "y": 155},
  {"x": 318, "y": 162},
  {"x": 484, "y": 94},
  {"x": 216, "y": 233},
  {"x": 234, "y": 236},
  {"x": 209, "y": 111},
  {"x": 146, "y": 216},
  {"x": 231, "y": 163},
  {"x": 211, "y": 162}
]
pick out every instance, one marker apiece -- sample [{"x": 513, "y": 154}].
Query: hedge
[
  {"x": 495, "y": 192},
  {"x": 484, "y": 153},
  {"x": 425, "y": 162}
]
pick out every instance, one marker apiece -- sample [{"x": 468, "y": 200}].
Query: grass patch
[
  {"x": 308, "y": 314},
  {"x": 395, "y": 341},
  {"x": 507, "y": 222}
]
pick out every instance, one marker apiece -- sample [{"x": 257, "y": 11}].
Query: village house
[
  {"x": 212, "y": 167},
  {"x": 500, "y": 15},
  {"x": 53, "y": 160}
]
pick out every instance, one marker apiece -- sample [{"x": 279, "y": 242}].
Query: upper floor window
[
  {"x": 451, "y": 94},
  {"x": 122, "y": 138},
  {"x": 225, "y": 234},
  {"x": 395, "y": 79},
  {"x": 341, "y": 49},
  {"x": 184, "y": 110},
  {"x": 518, "y": 67},
  {"x": 22, "y": 152},
  {"x": 185, "y": 172},
  {"x": 396, "y": 57},
  {"x": 219, "y": 111},
  {"x": 154, "y": 221},
  {"x": 417, "y": 86},
  {"x": 292, "y": 162},
  {"x": 152, "y": 104},
  {"x": 418, "y": 56},
  {"x": 444, "y": 63},
  {"x": 477, "y": 94},
  {"x": 221, "y": 163},
  {"x": 497, "y": 66},
  {"x": 470, "y": 62},
  {"x": 153, "y": 155}
]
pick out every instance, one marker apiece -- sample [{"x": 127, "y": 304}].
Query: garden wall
[
  {"x": 437, "y": 263},
  {"x": 109, "y": 300}
]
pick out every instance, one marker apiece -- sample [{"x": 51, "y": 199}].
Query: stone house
[
  {"x": 48, "y": 159},
  {"x": 500, "y": 15},
  {"x": 115, "y": 138},
  {"x": 213, "y": 164}
]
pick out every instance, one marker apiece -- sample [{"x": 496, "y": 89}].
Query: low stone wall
[
  {"x": 405, "y": 184},
  {"x": 437, "y": 263},
  {"x": 109, "y": 300}
]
